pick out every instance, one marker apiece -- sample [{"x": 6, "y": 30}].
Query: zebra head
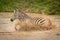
[
  {"x": 19, "y": 15},
  {"x": 15, "y": 15}
]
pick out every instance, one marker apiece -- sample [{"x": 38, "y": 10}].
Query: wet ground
[{"x": 6, "y": 31}]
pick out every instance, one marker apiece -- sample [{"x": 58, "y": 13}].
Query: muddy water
[{"x": 6, "y": 33}]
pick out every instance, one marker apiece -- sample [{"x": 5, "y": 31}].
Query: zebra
[
  {"x": 18, "y": 18},
  {"x": 25, "y": 21}
]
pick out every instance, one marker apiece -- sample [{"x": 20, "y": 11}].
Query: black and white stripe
[{"x": 39, "y": 20}]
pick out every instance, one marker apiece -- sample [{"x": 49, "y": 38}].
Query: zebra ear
[{"x": 16, "y": 11}]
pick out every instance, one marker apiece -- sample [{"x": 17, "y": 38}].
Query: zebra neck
[{"x": 23, "y": 16}]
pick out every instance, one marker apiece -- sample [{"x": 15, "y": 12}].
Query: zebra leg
[
  {"x": 17, "y": 27},
  {"x": 16, "y": 24}
]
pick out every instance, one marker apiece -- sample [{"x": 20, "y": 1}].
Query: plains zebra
[{"x": 26, "y": 21}]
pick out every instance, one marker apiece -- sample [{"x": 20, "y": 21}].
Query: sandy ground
[
  {"x": 6, "y": 31},
  {"x": 37, "y": 35}
]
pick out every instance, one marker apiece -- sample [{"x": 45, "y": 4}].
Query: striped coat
[
  {"x": 26, "y": 22},
  {"x": 39, "y": 23}
]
